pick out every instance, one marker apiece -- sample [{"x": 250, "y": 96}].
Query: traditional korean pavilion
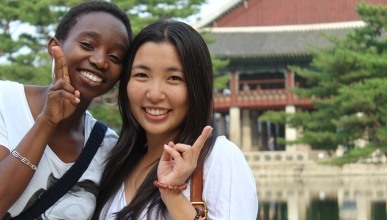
[{"x": 261, "y": 38}]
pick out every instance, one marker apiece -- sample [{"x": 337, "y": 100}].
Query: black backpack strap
[{"x": 70, "y": 178}]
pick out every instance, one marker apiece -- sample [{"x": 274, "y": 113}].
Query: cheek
[
  {"x": 133, "y": 101},
  {"x": 134, "y": 91},
  {"x": 180, "y": 97},
  {"x": 117, "y": 72},
  {"x": 129, "y": 91},
  {"x": 184, "y": 96}
]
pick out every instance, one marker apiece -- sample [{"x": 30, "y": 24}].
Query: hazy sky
[
  {"x": 208, "y": 8},
  {"x": 212, "y": 6}
]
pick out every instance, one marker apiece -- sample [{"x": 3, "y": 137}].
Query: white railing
[{"x": 275, "y": 157}]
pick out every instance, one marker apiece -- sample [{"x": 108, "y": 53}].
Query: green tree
[
  {"x": 23, "y": 53},
  {"x": 32, "y": 66},
  {"x": 347, "y": 85},
  {"x": 144, "y": 12}
]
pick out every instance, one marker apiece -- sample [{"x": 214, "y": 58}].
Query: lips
[
  {"x": 156, "y": 112},
  {"x": 91, "y": 76}
]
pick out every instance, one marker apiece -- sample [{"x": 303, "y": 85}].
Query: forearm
[
  {"x": 179, "y": 207},
  {"x": 14, "y": 173}
]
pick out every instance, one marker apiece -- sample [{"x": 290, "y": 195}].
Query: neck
[{"x": 156, "y": 144}]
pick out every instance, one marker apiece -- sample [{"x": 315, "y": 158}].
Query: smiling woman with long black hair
[{"x": 166, "y": 106}]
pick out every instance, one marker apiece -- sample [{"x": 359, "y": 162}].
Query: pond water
[{"x": 322, "y": 198}]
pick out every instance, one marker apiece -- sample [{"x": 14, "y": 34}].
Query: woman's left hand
[{"x": 179, "y": 160}]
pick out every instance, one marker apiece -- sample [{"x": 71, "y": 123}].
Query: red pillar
[
  {"x": 289, "y": 84},
  {"x": 234, "y": 88}
]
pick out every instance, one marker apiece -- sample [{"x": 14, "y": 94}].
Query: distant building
[{"x": 261, "y": 38}]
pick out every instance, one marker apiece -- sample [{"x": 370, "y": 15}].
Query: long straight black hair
[{"x": 120, "y": 163}]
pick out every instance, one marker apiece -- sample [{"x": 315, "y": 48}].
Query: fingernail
[{"x": 166, "y": 146}]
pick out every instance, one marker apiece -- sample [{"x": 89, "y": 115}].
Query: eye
[
  {"x": 139, "y": 75},
  {"x": 115, "y": 58},
  {"x": 175, "y": 78},
  {"x": 86, "y": 45}
]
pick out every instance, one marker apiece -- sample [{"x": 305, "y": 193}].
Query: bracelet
[
  {"x": 166, "y": 186},
  {"x": 198, "y": 213},
  {"x": 24, "y": 160}
]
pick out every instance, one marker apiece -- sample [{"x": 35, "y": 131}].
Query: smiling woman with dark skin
[{"x": 49, "y": 125}]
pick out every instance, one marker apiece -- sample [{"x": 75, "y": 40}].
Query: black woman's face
[{"x": 95, "y": 50}]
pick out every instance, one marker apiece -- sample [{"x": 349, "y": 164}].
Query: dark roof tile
[{"x": 269, "y": 44}]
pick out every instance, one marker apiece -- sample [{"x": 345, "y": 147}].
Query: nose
[
  {"x": 155, "y": 92},
  {"x": 99, "y": 60}
]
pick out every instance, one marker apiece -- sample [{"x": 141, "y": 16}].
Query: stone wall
[{"x": 283, "y": 163}]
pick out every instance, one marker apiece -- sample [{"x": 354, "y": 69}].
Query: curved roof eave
[
  {"x": 275, "y": 43},
  {"x": 263, "y": 56}
]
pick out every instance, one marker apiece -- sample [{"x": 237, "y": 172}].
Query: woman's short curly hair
[{"x": 71, "y": 17}]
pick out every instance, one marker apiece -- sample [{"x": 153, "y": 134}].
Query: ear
[{"x": 52, "y": 42}]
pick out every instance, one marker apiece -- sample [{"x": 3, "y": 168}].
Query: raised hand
[
  {"x": 62, "y": 98},
  {"x": 179, "y": 160}
]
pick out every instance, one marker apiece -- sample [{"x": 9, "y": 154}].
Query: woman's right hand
[
  {"x": 62, "y": 99},
  {"x": 178, "y": 161}
]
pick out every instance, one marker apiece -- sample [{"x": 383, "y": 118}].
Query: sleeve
[
  {"x": 3, "y": 128},
  {"x": 229, "y": 185},
  {"x": 110, "y": 140}
]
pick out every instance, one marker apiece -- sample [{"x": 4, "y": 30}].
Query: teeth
[
  {"x": 90, "y": 76},
  {"x": 156, "y": 112}
]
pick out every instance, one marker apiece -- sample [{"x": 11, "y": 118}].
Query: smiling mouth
[
  {"x": 91, "y": 77},
  {"x": 156, "y": 112}
]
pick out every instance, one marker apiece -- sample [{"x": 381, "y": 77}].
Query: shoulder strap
[
  {"x": 70, "y": 178},
  {"x": 196, "y": 190}
]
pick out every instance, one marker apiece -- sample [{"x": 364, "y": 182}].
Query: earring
[
  {"x": 53, "y": 69},
  {"x": 110, "y": 97}
]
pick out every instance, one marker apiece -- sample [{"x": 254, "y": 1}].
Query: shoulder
[
  {"x": 111, "y": 136},
  {"x": 7, "y": 82},
  {"x": 226, "y": 157},
  {"x": 229, "y": 184},
  {"x": 226, "y": 149},
  {"x": 6, "y": 85},
  {"x": 9, "y": 92}
]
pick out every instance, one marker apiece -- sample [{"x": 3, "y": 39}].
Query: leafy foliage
[
  {"x": 353, "y": 155},
  {"x": 144, "y": 12},
  {"x": 346, "y": 83},
  {"x": 109, "y": 115}
]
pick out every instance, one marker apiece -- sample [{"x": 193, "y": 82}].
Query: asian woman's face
[{"x": 157, "y": 89}]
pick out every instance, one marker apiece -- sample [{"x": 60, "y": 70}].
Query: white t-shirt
[
  {"x": 15, "y": 121},
  {"x": 229, "y": 186}
]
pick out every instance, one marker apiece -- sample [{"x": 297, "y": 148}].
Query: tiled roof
[
  {"x": 242, "y": 13},
  {"x": 274, "y": 42}
]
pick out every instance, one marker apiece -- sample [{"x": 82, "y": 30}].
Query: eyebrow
[
  {"x": 90, "y": 34},
  {"x": 121, "y": 46},
  {"x": 174, "y": 69},
  {"x": 140, "y": 66},
  {"x": 94, "y": 34},
  {"x": 170, "y": 69}
]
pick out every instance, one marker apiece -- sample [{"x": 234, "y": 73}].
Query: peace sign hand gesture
[
  {"x": 62, "y": 98},
  {"x": 179, "y": 161}
]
